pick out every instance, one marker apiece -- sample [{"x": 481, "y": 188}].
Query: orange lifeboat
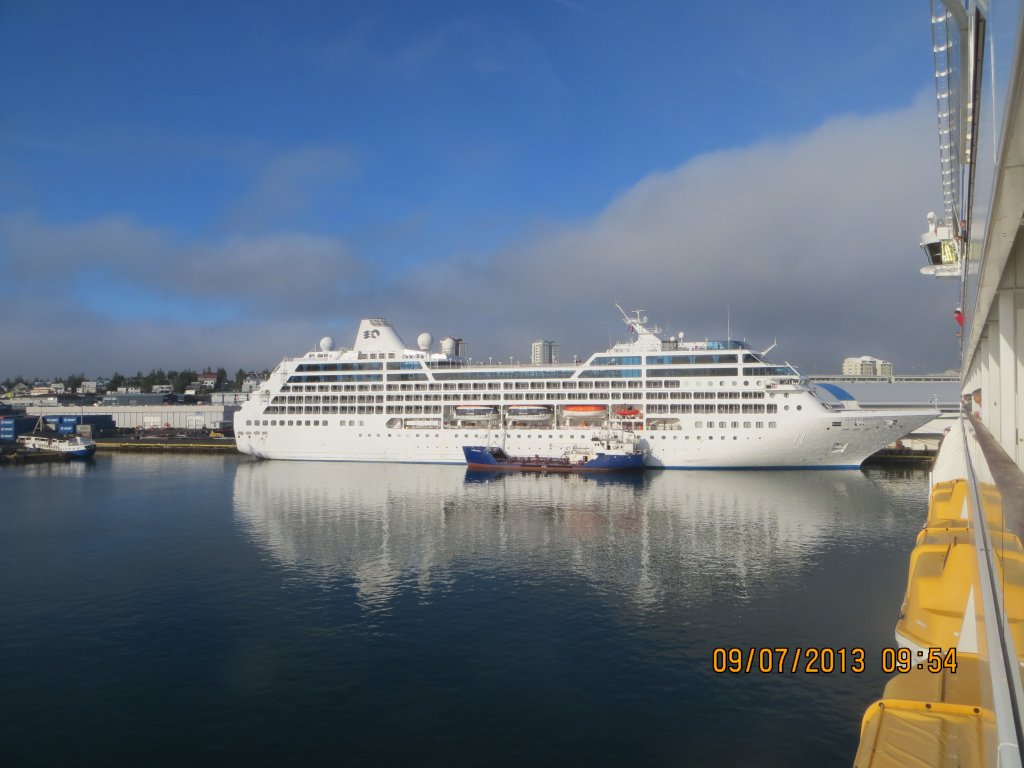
[
  {"x": 627, "y": 412},
  {"x": 589, "y": 412}
]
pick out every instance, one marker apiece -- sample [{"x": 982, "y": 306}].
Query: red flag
[{"x": 959, "y": 315}]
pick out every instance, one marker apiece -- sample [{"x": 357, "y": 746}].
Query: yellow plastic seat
[{"x": 927, "y": 720}]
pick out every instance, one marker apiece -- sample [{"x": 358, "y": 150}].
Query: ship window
[
  {"x": 248, "y": 422},
  {"x": 837, "y": 423},
  {"x": 771, "y": 425},
  {"x": 799, "y": 407},
  {"x": 746, "y": 425},
  {"x": 760, "y": 425},
  {"x": 698, "y": 424}
]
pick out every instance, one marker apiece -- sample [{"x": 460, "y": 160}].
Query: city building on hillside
[
  {"x": 544, "y": 352},
  {"x": 866, "y": 366},
  {"x": 251, "y": 383},
  {"x": 207, "y": 380}
]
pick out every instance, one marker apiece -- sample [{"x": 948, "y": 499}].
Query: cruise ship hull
[{"x": 840, "y": 440}]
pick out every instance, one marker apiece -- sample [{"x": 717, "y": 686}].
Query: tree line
[{"x": 179, "y": 380}]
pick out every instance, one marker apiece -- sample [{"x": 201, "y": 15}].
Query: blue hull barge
[{"x": 490, "y": 458}]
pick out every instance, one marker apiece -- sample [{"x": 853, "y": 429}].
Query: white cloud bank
[{"x": 811, "y": 239}]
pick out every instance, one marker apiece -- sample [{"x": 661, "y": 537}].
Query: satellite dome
[
  {"x": 448, "y": 345},
  {"x": 326, "y": 344},
  {"x": 424, "y": 340}
]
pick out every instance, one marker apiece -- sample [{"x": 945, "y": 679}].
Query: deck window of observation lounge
[
  {"x": 768, "y": 370},
  {"x": 520, "y": 374},
  {"x": 691, "y": 372},
  {"x": 629, "y": 360},
  {"x": 306, "y": 367},
  {"x": 621, "y": 373},
  {"x": 351, "y": 377},
  {"x": 702, "y": 358}
]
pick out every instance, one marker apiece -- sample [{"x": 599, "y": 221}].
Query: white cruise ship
[{"x": 690, "y": 405}]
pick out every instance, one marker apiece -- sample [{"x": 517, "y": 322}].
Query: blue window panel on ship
[
  {"x": 477, "y": 375},
  {"x": 349, "y": 378},
  {"x": 767, "y": 370},
  {"x": 728, "y": 344},
  {"x": 625, "y": 373},
  {"x": 689, "y": 359},
  {"x": 406, "y": 365},
  {"x": 407, "y": 377},
  {"x": 302, "y": 367},
  {"x": 690, "y": 372},
  {"x": 616, "y": 360}
]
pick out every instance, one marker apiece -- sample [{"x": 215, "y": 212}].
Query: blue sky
[{"x": 222, "y": 184}]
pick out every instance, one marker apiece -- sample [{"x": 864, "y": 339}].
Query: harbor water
[{"x": 170, "y": 610}]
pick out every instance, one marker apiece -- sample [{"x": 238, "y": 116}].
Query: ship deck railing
[{"x": 964, "y": 610}]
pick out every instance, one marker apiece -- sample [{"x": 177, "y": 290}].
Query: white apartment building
[
  {"x": 866, "y": 366},
  {"x": 543, "y": 352}
]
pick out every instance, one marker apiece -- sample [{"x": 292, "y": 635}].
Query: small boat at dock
[{"x": 76, "y": 447}]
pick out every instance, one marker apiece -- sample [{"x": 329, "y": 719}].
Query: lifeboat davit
[
  {"x": 530, "y": 413},
  {"x": 475, "y": 412},
  {"x": 585, "y": 412}
]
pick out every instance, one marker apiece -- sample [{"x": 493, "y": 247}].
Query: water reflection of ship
[{"x": 669, "y": 536}]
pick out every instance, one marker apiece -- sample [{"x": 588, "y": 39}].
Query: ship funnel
[{"x": 375, "y": 335}]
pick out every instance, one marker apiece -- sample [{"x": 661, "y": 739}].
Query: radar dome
[
  {"x": 424, "y": 340},
  {"x": 448, "y": 345},
  {"x": 326, "y": 344}
]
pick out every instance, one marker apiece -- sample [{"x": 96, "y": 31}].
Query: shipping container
[{"x": 12, "y": 426}]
